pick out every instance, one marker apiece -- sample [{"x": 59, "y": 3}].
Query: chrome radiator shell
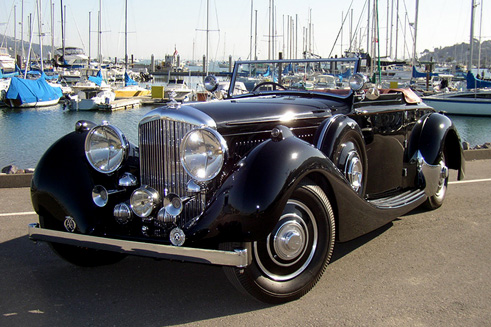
[{"x": 160, "y": 134}]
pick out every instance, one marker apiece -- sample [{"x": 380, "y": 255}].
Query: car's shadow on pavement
[
  {"x": 44, "y": 289},
  {"x": 342, "y": 249}
]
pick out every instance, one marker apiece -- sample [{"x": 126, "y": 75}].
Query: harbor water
[{"x": 25, "y": 134}]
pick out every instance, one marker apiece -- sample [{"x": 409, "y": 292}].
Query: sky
[{"x": 161, "y": 27}]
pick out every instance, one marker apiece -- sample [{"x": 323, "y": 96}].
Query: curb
[
  {"x": 15, "y": 180},
  {"x": 24, "y": 180},
  {"x": 479, "y": 154}
]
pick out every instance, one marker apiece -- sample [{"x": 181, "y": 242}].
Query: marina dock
[{"x": 121, "y": 104}]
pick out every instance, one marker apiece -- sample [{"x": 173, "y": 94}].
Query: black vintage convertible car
[{"x": 263, "y": 183}]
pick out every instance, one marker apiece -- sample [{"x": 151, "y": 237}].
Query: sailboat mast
[
  {"x": 252, "y": 21},
  {"x": 62, "y": 31},
  {"x": 415, "y": 34},
  {"x": 22, "y": 32},
  {"x": 40, "y": 30},
  {"x": 99, "y": 36},
  {"x": 15, "y": 32},
  {"x": 126, "y": 34},
  {"x": 90, "y": 23},
  {"x": 472, "y": 35},
  {"x": 207, "y": 35}
]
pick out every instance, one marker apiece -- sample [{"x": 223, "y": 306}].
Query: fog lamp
[
  {"x": 100, "y": 195},
  {"x": 144, "y": 200}
]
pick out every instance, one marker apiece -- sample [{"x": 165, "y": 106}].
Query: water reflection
[{"x": 25, "y": 134}]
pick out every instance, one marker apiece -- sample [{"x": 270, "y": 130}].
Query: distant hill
[
  {"x": 459, "y": 54},
  {"x": 8, "y": 42}
]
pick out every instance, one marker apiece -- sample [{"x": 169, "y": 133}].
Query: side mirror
[{"x": 211, "y": 83}]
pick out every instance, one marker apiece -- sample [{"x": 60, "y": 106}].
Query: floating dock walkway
[{"x": 121, "y": 104}]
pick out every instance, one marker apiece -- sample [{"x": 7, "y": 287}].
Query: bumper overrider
[{"x": 240, "y": 257}]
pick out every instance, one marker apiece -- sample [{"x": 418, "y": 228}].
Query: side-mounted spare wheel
[{"x": 292, "y": 258}]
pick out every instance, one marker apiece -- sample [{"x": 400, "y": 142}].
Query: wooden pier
[{"x": 121, "y": 104}]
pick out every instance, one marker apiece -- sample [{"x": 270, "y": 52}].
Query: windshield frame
[{"x": 238, "y": 64}]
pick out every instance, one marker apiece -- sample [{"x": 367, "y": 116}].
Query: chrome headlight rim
[
  {"x": 357, "y": 81},
  {"x": 123, "y": 146},
  {"x": 220, "y": 141}
]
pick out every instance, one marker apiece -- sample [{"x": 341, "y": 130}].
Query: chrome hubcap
[
  {"x": 354, "y": 170},
  {"x": 441, "y": 183},
  {"x": 289, "y": 249},
  {"x": 289, "y": 240}
]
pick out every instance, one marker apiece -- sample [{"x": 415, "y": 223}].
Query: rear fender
[{"x": 435, "y": 134}]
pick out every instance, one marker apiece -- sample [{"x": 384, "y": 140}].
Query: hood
[{"x": 263, "y": 113}]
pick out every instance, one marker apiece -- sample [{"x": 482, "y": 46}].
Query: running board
[{"x": 398, "y": 201}]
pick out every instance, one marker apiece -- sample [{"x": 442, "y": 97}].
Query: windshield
[{"x": 313, "y": 75}]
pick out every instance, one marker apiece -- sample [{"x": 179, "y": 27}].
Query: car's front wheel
[{"x": 292, "y": 258}]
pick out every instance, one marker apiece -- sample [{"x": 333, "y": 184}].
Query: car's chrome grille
[{"x": 160, "y": 165}]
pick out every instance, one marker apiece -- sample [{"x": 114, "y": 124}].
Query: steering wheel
[{"x": 274, "y": 84}]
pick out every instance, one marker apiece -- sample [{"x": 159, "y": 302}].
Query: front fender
[
  {"x": 250, "y": 201},
  {"x": 62, "y": 185},
  {"x": 433, "y": 135}
]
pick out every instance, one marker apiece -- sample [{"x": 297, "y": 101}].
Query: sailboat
[
  {"x": 31, "y": 93},
  {"x": 23, "y": 92},
  {"x": 131, "y": 87},
  {"x": 475, "y": 101}
]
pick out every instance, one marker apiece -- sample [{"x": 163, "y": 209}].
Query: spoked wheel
[
  {"x": 293, "y": 257},
  {"x": 436, "y": 200},
  {"x": 76, "y": 255}
]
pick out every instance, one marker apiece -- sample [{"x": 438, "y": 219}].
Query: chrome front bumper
[{"x": 238, "y": 258}]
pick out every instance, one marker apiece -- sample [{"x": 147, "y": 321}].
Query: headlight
[
  {"x": 105, "y": 148},
  {"x": 203, "y": 152},
  {"x": 357, "y": 82}
]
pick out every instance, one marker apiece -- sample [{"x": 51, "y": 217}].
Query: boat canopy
[
  {"x": 29, "y": 91},
  {"x": 417, "y": 74},
  {"x": 97, "y": 79},
  {"x": 128, "y": 80},
  {"x": 474, "y": 83},
  {"x": 7, "y": 75}
]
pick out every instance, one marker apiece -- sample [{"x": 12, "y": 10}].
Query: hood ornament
[{"x": 173, "y": 104}]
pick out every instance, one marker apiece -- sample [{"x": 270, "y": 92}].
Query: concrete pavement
[{"x": 423, "y": 269}]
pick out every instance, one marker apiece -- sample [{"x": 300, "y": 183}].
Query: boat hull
[
  {"x": 14, "y": 103},
  {"x": 131, "y": 93},
  {"x": 460, "y": 106}
]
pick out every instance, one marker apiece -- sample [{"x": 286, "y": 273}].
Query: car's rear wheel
[
  {"x": 289, "y": 262},
  {"x": 435, "y": 200}
]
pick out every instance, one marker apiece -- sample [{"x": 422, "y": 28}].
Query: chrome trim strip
[
  {"x": 185, "y": 114},
  {"x": 325, "y": 129},
  {"x": 238, "y": 258}
]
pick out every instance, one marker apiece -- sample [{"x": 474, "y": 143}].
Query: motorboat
[
  {"x": 72, "y": 57},
  {"x": 130, "y": 89},
  {"x": 182, "y": 91},
  {"x": 90, "y": 99},
  {"x": 7, "y": 63},
  {"x": 475, "y": 101}
]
